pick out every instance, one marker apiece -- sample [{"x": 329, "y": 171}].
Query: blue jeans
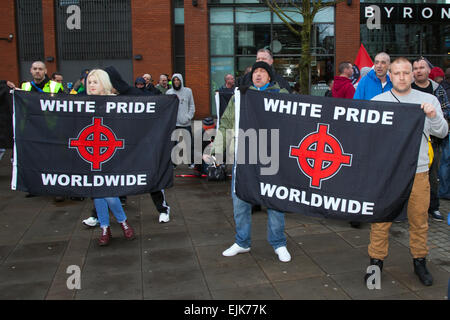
[
  {"x": 101, "y": 206},
  {"x": 243, "y": 219}
]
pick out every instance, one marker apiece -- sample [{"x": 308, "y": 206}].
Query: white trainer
[
  {"x": 164, "y": 217},
  {"x": 91, "y": 222},
  {"x": 283, "y": 254},
  {"x": 234, "y": 250}
]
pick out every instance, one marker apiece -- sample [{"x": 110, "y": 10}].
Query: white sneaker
[
  {"x": 163, "y": 217},
  {"x": 283, "y": 254},
  {"x": 91, "y": 222},
  {"x": 234, "y": 250},
  {"x": 192, "y": 166}
]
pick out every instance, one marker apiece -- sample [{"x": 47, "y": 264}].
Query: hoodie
[
  {"x": 370, "y": 86},
  {"x": 186, "y": 106},
  {"x": 343, "y": 88}
]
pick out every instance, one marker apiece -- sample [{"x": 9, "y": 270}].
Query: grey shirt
[{"x": 437, "y": 126}]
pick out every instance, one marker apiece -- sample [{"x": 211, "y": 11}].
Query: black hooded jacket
[
  {"x": 121, "y": 86},
  {"x": 6, "y": 140}
]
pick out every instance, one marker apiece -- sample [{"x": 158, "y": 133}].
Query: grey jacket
[
  {"x": 437, "y": 126},
  {"x": 186, "y": 106}
]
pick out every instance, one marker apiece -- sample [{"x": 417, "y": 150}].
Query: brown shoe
[
  {"x": 105, "y": 237},
  {"x": 128, "y": 231}
]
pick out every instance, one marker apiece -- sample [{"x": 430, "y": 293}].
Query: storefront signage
[{"x": 404, "y": 13}]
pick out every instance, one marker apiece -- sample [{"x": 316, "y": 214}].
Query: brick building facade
[{"x": 152, "y": 38}]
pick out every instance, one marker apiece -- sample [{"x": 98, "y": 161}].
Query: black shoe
[
  {"x": 123, "y": 200},
  {"x": 422, "y": 272},
  {"x": 436, "y": 215},
  {"x": 30, "y": 195},
  {"x": 355, "y": 224},
  {"x": 374, "y": 262}
]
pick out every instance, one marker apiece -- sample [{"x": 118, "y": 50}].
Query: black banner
[
  {"x": 92, "y": 146},
  {"x": 346, "y": 159}
]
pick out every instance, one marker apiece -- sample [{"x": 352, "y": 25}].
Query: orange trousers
[{"x": 418, "y": 204}]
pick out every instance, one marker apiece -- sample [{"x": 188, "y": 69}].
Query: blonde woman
[{"x": 98, "y": 83}]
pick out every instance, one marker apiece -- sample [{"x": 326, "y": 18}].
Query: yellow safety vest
[{"x": 50, "y": 87}]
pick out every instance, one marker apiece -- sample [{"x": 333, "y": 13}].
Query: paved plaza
[{"x": 182, "y": 259}]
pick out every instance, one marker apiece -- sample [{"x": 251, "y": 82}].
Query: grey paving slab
[
  {"x": 167, "y": 240},
  {"x": 307, "y": 229},
  {"x": 433, "y": 293},
  {"x": 156, "y": 259},
  {"x": 316, "y": 288},
  {"x": 173, "y": 283},
  {"x": 183, "y": 259},
  {"x": 24, "y": 291},
  {"x": 36, "y": 251},
  {"x": 339, "y": 261},
  {"x": 353, "y": 285},
  {"x": 260, "y": 292},
  {"x": 408, "y": 278},
  {"x": 322, "y": 242},
  {"x": 210, "y": 234},
  {"x": 112, "y": 264},
  {"x": 100, "y": 285},
  {"x": 28, "y": 271},
  {"x": 234, "y": 277},
  {"x": 301, "y": 266},
  {"x": 356, "y": 238}
]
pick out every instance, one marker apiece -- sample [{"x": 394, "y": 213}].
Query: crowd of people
[{"x": 397, "y": 81}]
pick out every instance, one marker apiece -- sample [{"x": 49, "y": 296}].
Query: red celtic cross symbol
[
  {"x": 96, "y": 144},
  {"x": 320, "y": 156}
]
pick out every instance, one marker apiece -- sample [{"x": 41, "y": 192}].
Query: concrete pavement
[{"x": 40, "y": 239}]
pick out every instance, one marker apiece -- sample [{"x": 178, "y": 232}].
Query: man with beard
[{"x": 41, "y": 82}]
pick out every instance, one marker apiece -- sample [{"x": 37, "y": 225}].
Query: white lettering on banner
[
  {"x": 67, "y": 106},
  {"x": 317, "y": 200},
  {"x": 89, "y": 106},
  {"x": 293, "y": 107},
  {"x": 75, "y": 180},
  {"x": 364, "y": 115},
  {"x": 131, "y": 107}
]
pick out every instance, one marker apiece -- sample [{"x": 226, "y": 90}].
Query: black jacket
[
  {"x": 120, "y": 85},
  {"x": 6, "y": 134}
]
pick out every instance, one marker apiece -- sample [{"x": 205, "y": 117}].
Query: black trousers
[{"x": 434, "y": 177}]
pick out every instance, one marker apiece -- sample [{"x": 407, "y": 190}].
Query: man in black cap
[
  {"x": 262, "y": 76},
  {"x": 265, "y": 55}
]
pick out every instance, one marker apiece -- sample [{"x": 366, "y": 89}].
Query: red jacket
[{"x": 343, "y": 88}]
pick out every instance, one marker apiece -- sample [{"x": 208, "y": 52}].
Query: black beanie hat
[{"x": 264, "y": 65}]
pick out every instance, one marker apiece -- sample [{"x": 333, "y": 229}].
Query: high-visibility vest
[{"x": 50, "y": 87}]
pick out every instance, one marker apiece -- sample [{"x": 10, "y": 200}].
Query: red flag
[{"x": 362, "y": 60}]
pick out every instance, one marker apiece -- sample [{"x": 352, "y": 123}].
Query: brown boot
[
  {"x": 128, "y": 231},
  {"x": 105, "y": 237}
]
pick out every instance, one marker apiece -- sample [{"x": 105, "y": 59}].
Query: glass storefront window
[
  {"x": 219, "y": 68},
  {"x": 221, "y": 15},
  {"x": 221, "y": 40},
  {"x": 291, "y": 13},
  {"x": 252, "y": 37},
  {"x": 284, "y": 41},
  {"x": 253, "y": 15},
  {"x": 323, "y": 39}
]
